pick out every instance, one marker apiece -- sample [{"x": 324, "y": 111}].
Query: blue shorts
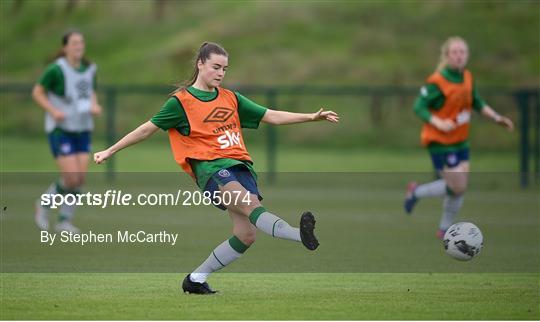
[
  {"x": 449, "y": 159},
  {"x": 64, "y": 143},
  {"x": 238, "y": 173}
]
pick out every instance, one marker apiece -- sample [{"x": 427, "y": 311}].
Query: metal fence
[{"x": 526, "y": 100}]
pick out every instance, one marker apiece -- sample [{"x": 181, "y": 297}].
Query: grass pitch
[
  {"x": 374, "y": 262},
  {"x": 288, "y": 296}
]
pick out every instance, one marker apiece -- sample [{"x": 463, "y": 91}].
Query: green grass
[
  {"x": 373, "y": 262},
  {"x": 272, "y": 297}
]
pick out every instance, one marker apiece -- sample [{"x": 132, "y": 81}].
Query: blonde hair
[{"x": 443, "y": 60}]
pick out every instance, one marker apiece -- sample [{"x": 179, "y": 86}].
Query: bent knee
[
  {"x": 457, "y": 189},
  {"x": 82, "y": 180},
  {"x": 71, "y": 182},
  {"x": 246, "y": 209},
  {"x": 247, "y": 237}
]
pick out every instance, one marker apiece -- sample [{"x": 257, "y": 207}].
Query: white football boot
[
  {"x": 41, "y": 216},
  {"x": 66, "y": 226}
]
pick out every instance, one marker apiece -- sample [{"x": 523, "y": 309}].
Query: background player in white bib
[{"x": 66, "y": 91}]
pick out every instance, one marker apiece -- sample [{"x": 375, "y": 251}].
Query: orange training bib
[
  {"x": 215, "y": 130},
  {"x": 457, "y": 107}
]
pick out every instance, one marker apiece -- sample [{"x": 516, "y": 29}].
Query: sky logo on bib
[
  {"x": 229, "y": 139},
  {"x": 463, "y": 117},
  {"x": 219, "y": 114}
]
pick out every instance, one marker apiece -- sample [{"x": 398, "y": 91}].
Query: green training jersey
[{"x": 173, "y": 116}]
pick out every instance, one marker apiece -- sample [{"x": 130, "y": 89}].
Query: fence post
[
  {"x": 537, "y": 141},
  {"x": 271, "y": 151},
  {"x": 523, "y": 103},
  {"x": 110, "y": 105}
]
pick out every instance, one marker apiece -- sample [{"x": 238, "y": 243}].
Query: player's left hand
[
  {"x": 505, "y": 122},
  {"x": 322, "y": 115},
  {"x": 96, "y": 110}
]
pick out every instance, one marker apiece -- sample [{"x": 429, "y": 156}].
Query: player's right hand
[
  {"x": 100, "y": 157},
  {"x": 443, "y": 125}
]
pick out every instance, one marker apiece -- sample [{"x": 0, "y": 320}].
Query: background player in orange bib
[
  {"x": 205, "y": 122},
  {"x": 445, "y": 104}
]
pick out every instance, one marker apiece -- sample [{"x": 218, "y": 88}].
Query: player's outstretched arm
[
  {"x": 497, "y": 118},
  {"x": 139, "y": 134},
  {"x": 281, "y": 117}
]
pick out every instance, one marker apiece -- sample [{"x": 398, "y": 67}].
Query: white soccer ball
[{"x": 463, "y": 241}]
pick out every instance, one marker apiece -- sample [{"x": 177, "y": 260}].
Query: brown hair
[
  {"x": 203, "y": 54},
  {"x": 65, "y": 40},
  {"x": 443, "y": 60}
]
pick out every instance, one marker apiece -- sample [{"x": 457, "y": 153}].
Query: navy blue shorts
[
  {"x": 449, "y": 159},
  {"x": 238, "y": 173},
  {"x": 66, "y": 143}
]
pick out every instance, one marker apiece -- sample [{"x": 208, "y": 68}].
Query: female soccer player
[
  {"x": 66, "y": 91},
  {"x": 205, "y": 122},
  {"x": 445, "y": 105}
]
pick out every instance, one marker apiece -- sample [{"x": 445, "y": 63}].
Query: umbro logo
[{"x": 219, "y": 114}]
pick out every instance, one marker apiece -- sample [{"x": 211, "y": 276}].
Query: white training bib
[{"x": 77, "y": 100}]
